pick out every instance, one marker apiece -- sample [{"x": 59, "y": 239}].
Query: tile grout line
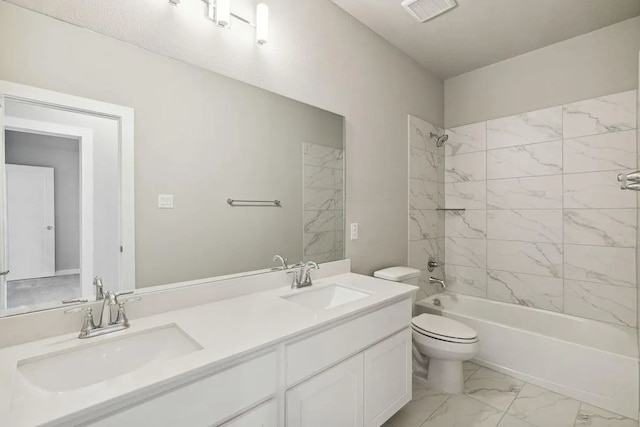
[
  {"x": 578, "y": 413},
  {"x": 435, "y": 410},
  {"x": 512, "y": 402},
  {"x": 589, "y": 172},
  {"x": 531, "y": 143},
  {"x": 538, "y": 241},
  {"x": 563, "y": 213},
  {"x": 486, "y": 216}
]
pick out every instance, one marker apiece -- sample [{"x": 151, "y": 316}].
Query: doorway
[{"x": 48, "y": 208}]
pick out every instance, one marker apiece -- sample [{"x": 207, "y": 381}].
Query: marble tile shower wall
[
  {"x": 323, "y": 200},
  {"x": 426, "y": 223},
  {"x": 546, "y": 224}
]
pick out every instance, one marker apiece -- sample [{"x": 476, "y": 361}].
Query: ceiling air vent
[{"x": 423, "y": 10}]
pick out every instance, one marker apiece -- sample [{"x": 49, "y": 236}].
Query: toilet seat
[{"x": 443, "y": 329}]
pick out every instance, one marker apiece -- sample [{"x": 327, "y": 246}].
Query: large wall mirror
[{"x": 148, "y": 171}]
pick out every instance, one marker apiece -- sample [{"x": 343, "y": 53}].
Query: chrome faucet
[
  {"x": 438, "y": 281},
  {"x": 97, "y": 283},
  {"x": 305, "y": 273},
  {"x": 283, "y": 262},
  {"x": 302, "y": 279},
  {"x": 106, "y": 324},
  {"x": 110, "y": 300}
]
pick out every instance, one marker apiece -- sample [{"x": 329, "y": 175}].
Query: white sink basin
[
  {"x": 326, "y": 297},
  {"x": 94, "y": 363}
]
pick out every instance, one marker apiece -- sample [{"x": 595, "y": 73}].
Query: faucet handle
[
  {"x": 74, "y": 300},
  {"x": 89, "y": 310},
  {"x": 124, "y": 293},
  {"x": 296, "y": 281},
  {"x": 312, "y": 265},
  {"x": 122, "y": 319},
  {"x": 88, "y": 323}
]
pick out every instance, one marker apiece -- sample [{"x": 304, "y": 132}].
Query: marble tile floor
[
  {"x": 491, "y": 399},
  {"x": 42, "y": 290}
]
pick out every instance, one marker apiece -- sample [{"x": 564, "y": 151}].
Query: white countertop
[{"x": 226, "y": 330}]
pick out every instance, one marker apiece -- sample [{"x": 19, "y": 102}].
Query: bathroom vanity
[{"x": 272, "y": 358}]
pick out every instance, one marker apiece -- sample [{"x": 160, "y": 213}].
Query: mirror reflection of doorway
[{"x": 43, "y": 218}]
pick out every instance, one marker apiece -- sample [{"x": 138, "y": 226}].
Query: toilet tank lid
[{"x": 397, "y": 274}]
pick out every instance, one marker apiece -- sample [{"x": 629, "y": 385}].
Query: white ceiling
[{"x": 481, "y": 32}]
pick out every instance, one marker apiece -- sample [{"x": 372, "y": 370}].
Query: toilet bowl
[
  {"x": 442, "y": 344},
  {"x": 447, "y": 343}
]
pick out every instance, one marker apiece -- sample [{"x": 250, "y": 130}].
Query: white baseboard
[{"x": 67, "y": 272}]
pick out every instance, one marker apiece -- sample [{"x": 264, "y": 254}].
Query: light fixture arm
[{"x": 211, "y": 12}]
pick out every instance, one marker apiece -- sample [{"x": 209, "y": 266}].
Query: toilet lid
[{"x": 443, "y": 328}]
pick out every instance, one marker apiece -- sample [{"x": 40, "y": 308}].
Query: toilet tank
[{"x": 407, "y": 275}]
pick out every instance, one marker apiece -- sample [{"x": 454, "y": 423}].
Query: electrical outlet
[
  {"x": 165, "y": 201},
  {"x": 354, "y": 231}
]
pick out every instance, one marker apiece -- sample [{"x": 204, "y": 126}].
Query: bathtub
[{"x": 588, "y": 360}]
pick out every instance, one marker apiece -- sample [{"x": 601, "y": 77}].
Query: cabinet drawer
[
  {"x": 265, "y": 415},
  {"x": 204, "y": 402},
  {"x": 313, "y": 354}
]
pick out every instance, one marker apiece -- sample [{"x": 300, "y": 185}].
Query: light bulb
[
  {"x": 262, "y": 24},
  {"x": 223, "y": 13}
]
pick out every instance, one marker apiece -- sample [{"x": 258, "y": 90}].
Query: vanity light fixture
[
  {"x": 262, "y": 24},
  {"x": 223, "y": 13},
  {"x": 219, "y": 11}
]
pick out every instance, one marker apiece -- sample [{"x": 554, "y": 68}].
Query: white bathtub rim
[
  {"x": 555, "y": 387},
  {"x": 426, "y": 303},
  {"x": 524, "y": 307},
  {"x": 624, "y": 356}
]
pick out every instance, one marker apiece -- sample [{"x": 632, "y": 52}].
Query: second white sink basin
[
  {"x": 326, "y": 297},
  {"x": 97, "y": 362}
]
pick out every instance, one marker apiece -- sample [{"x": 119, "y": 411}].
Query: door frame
[
  {"x": 125, "y": 119},
  {"x": 85, "y": 140}
]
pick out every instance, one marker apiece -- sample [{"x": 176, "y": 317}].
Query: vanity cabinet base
[
  {"x": 365, "y": 390},
  {"x": 344, "y": 382}
]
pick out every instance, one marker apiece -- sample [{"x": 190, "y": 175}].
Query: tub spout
[{"x": 438, "y": 281}]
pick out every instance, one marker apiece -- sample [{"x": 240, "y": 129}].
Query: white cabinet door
[
  {"x": 387, "y": 376},
  {"x": 265, "y": 415},
  {"x": 331, "y": 398}
]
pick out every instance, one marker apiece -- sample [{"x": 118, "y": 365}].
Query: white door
[
  {"x": 387, "y": 374},
  {"x": 30, "y": 222},
  {"x": 332, "y": 398}
]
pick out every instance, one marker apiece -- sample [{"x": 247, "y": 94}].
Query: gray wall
[
  {"x": 62, "y": 155},
  {"x": 375, "y": 88},
  {"x": 587, "y": 66}
]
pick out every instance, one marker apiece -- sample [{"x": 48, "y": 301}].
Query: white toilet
[{"x": 445, "y": 342}]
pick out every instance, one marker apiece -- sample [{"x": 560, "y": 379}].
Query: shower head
[{"x": 440, "y": 139}]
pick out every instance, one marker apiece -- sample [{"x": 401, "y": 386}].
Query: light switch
[
  {"x": 165, "y": 201},
  {"x": 354, "y": 231}
]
